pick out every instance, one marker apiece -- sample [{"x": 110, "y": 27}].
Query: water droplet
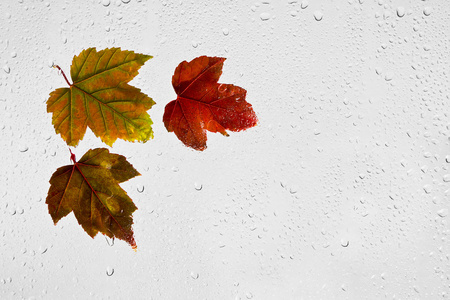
[
  {"x": 225, "y": 31},
  {"x": 110, "y": 241},
  {"x": 318, "y": 15},
  {"x": 389, "y": 76},
  {"x": 446, "y": 178},
  {"x": 23, "y": 148},
  {"x": 442, "y": 212},
  {"x": 249, "y": 295},
  {"x": 400, "y": 11},
  {"x": 427, "y": 188},
  {"x": 198, "y": 186},
  {"x": 126, "y": 1},
  {"x": 42, "y": 249},
  {"x": 6, "y": 69},
  {"x": 194, "y": 275},
  {"x": 194, "y": 44},
  {"x": 140, "y": 188},
  {"x": 109, "y": 271},
  {"x": 13, "y": 54},
  {"x": 264, "y": 16},
  {"x": 304, "y": 4},
  {"x": 345, "y": 243},
  {"x": 106, "y": 2},
  {"x": 427, "y": 11}
]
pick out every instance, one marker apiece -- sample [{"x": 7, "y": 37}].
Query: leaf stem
[
  {"x": 56, "y": 66},
  {"x": 72, "y": 157}
]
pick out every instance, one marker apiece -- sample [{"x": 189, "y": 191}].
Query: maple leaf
[
  {"x": 101, "y": 98},
  {"x": 90, "y": 188},
  {"x": 204, "y": 104}
]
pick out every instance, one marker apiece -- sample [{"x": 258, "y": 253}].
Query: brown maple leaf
[{"x": 90, "y": 188}]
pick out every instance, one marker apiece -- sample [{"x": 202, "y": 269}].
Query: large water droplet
[
  {"x": 389, "y": 76},
  {"x": 400, "y": 11},
  {"x": 442, "y": 212},
  {"x": 318, "y": 15},
  {"x": 198, "y": 186},
  {"x": 109, "y": 241},
  {"x": 23, "y": 148},
  {"x": 345, "y": 243},
  {"x": 264, "y": 16}
]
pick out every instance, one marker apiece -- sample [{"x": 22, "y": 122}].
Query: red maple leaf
[{"x": 204, "y": 104}]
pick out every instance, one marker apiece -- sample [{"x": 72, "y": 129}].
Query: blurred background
[{"x": 342, "y": 191}]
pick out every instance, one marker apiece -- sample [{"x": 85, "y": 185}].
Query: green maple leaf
[{"x": 101, "y": 98}]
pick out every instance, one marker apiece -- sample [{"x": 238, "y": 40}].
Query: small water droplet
[
  {"x": 318, "y": 15},
  {"x": 446, "y": 178},
  {"x": 345, "y": 243},
  {"x": 304, "y": 4},
  {"x": 400, "y": 11},
  {"x": 427, "y": 188},
  {"x": 13, "y": 54},
  {"x": 442, "y": 212},
  {"x": 194, "y": 44},
  {"x": 427, "y": 11},
  {"x": 106, "y": 2},
  {"x": 109, "y": 271},
  {"x": 264, "y": 16},
  {"x": 225, "y": 31},
  {"x": 194, "y": 275},
  {"x": 249, "y": 295},
  {"x": 6, "y": 69},
  {"x": 126, "y": 1},
  {"x": 140, "y": 188}
]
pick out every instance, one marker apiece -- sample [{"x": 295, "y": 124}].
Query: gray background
[{"x": 341, "y": 192}]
